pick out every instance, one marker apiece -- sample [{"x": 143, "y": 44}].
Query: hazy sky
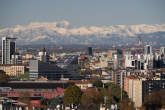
[{"x": 82, "y": 12}]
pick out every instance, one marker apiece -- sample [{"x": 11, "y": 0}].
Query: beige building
[
  {"x": 138, "y": 87},
  {"x": 84, "y": 84},
  {"x": 13, "y": 70},
  {"x": 135, "y": 91}
]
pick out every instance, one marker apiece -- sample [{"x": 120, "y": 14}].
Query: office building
[
  {"x": 50, "y": 71},
  {"x": 90, "y": 51},
  {"x": 16, "y": 59},
  {"x": 69, "y": 63},
  {"x": 43, "y": 56},
  {"x": 148, "y": 49},
  {"x": 8, "y": 49}
]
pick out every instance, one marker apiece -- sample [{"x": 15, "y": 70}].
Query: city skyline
[{"x": 82, "y": 55}]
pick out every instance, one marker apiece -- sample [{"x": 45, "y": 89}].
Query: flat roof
[{"x": 39, "y": 81}]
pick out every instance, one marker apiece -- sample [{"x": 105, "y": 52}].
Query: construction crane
[
  {"x": 124, "y": 57},
  {"x": 139, "y": 45},
  {"x": 133, "y": 49}
]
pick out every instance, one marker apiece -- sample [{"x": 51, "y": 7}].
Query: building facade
[
  {"x": 13, "y": 70},
  {"x": 50, "y": 71},
  {"x": 138, "y": 87},
  {"x": 8, "y": 49},
  {"x": 90, "y": 51}
]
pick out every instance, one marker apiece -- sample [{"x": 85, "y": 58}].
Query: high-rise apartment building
[
  {"x": 8, "y": 49},
  {"x": 138, "y": 87}
]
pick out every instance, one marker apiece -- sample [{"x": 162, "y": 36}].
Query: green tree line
[{"x": 92, "y": 98}]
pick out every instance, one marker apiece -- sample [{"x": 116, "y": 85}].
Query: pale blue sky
[{"x": 82, "y": 12}]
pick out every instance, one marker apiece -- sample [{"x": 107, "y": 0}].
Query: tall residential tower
[{"x": 8, "y": 49}]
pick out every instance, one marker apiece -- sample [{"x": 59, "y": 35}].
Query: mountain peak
[{"x": 62, "y": 33}]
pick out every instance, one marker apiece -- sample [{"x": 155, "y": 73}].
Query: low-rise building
[
  {"x": 13, "y": 69},
  {"x": 47, "y": 89},
  {"x": 69, "y": 63},
  {"x": 84, "y": 84},
  {"x": 50, "y": 71}
]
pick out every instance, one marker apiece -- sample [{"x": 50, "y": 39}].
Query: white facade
[
  {"x": 16, "y": 59},
  {"x": 84, "y": 85},
  {"x": 128, "y": 60},
  {"x": 162, "y": 50},
  {"x": 148, "y": 49},
  {"x": 140, "y": 61},
  {"x": 135, "y": 61},
  {"x": 8, "y": 49},
  {"x": 43, "y": 56}
]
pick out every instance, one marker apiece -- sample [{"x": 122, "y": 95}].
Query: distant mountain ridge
[{"x": 63, "y": 33}]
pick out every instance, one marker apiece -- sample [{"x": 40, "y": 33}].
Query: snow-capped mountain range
[{"x": 63, "y": 33}]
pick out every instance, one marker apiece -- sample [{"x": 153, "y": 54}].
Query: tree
[
  {"x": 45, "y": 102},
  {"x": 108, "y": 97},
  {"x": 3, "y": 78},
  {"x": 55, "y": 101},
  {"x": 116, "y": 92},
  {"x": 109, "y": 69},
  {"x": 24, "y": 76},
  {"x": 25, "y": 98},
  {"x": 155, "y": 100},
  {"x": 51, "y": 103},
  {"x": 91, "y": 99},
  {"x": 72, "y": 95},
  {"x": 112, "y": 93},
  {"x": 97, "y": 83},
  {"x": 126, "y": 104}
]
